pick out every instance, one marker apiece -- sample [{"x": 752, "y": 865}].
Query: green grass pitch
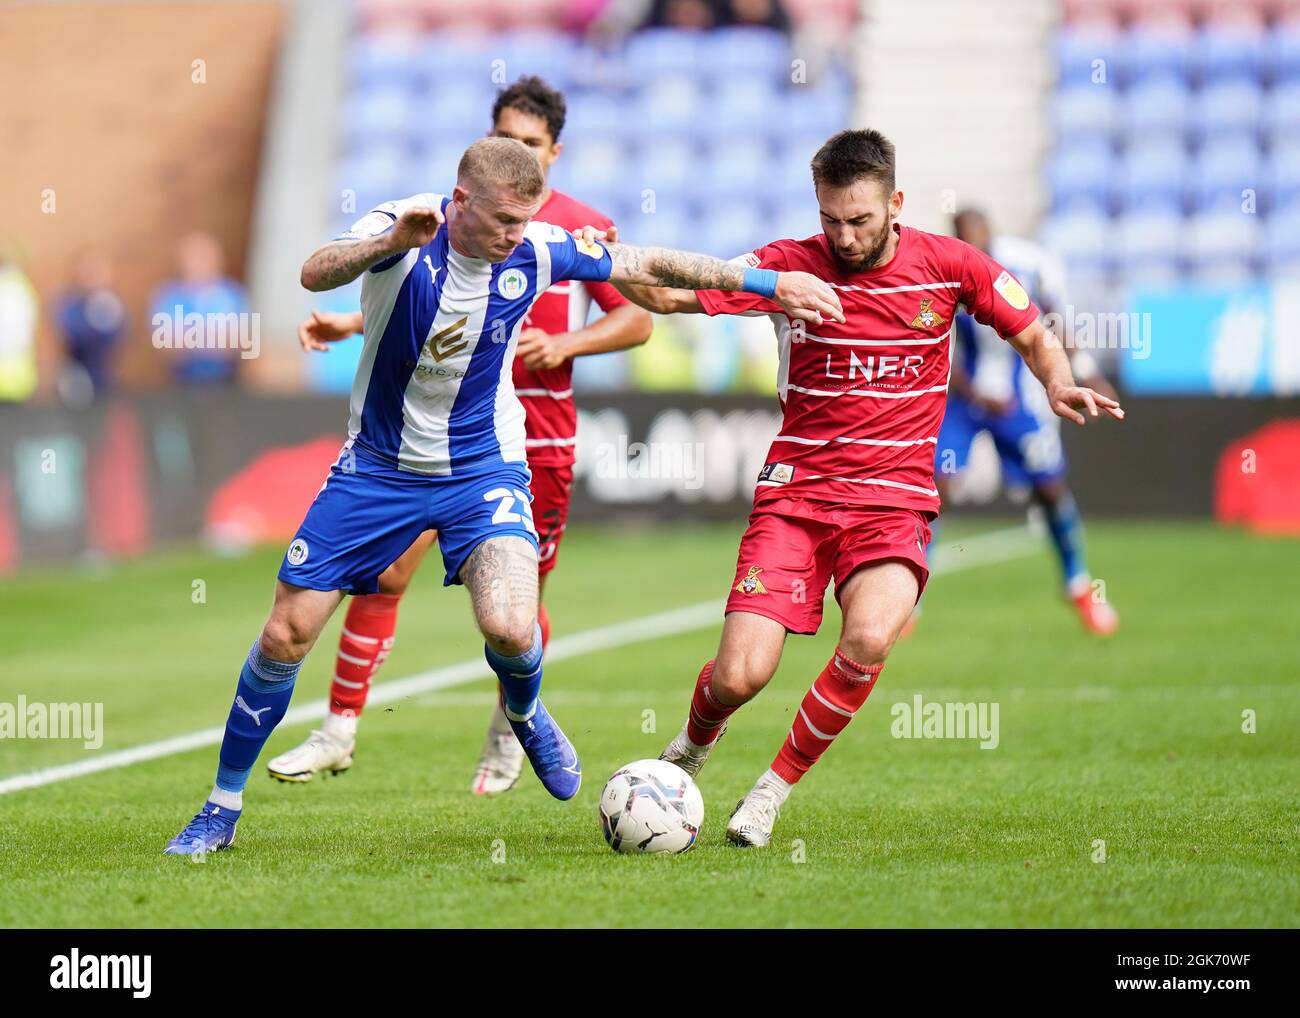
[{"x": 1136, "y": 742}]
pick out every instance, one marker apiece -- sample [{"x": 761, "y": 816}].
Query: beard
[{"x": 871, "y": 258}]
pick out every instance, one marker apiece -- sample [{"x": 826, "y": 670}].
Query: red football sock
[
  {"x": 707, "y": 711},
  {"x": 544, "y": 621},
  {"x": 827, "y": 708},
  {"x": 366, "y": 640}
]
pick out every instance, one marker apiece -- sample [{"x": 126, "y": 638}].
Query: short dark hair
[
  {"x": 851, "y": 156},
  {"x": 532, "y": 95}
]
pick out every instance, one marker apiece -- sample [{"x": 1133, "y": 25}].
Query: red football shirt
[
  {"x": 551, "y": 418},
  {"x": 863, "y": 401}
]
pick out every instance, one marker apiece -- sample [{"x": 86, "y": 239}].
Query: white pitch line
[{"x": 983, "y": 549}]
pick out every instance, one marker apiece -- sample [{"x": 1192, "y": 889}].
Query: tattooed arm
[
  {"x": 342, "y": 261},
  {"x": 802, "y": 295}
]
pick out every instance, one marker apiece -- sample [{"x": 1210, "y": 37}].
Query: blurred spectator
[
  {"x": 92, "y": 319},
  {"x": 699, "y": 15},
  {"x": 19, "y": 312},
  {"x": 203, "y": 289},
  {"x": 758, "y": 14}
]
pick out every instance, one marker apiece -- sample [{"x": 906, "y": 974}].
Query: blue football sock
[
  {"x": 261, "y": 699},
  {"x": 521, "y": 676},
  {"x": 1065, "y": 526}
]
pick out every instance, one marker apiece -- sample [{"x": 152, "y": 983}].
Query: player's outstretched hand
[
  {"x": 808, "y": 298},
  {"x": 325, "y": 327},
  {"x": 416, "y": 227},
  {"x": 1068, "y": 400}
]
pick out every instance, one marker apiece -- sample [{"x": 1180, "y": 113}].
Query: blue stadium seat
[
  {"x": 595, "y": 115},
  {"x": 1228, "y": 106},
  {"x": 733, "y": 168},
  {"x": 1158, "y": 105},
  {"x": 372, "y": 176},
  {"x": 1081, "y": 172},
  {"x": 670, "y": 106},
  {"x": 1084, "y": 239},
  {"x": 1283, "y": 53},
  {"x": 823, "y": 109},
  {"x": 1086, "y": 110},
  {"x": 1149, "y": 244},
  {"x": 1280, "y": 119},
  {"x": 1284, "y": 174},
  {"x": 1078, "y": 47},
  {"x": 1153, "y": 174},
  {"x": 436, "y": 163},
  {"x": 550, "y": 55},
  {"x": 670, "y": 166},
  {"x": 462, "y": 60},
  {"x": 660, "y": 51},
  {"x": 1282, "y": 242},
  {"x": 593, "y": 169},
  {"x": 1231, "y": 51},
  {"x": 747, "y": 52},
  {"x": 731, "y": 229},
  {"x": 384, "y": 61},
  {"x": 1225, "y": 168},
  {"x": 665, "y": 228},
  {"x": 743, "y": 106},
  {"x": 796, "y": 218},
  {"x": 1222, "y": 245},
  {"x": 1156, "y": 51},
  {"x": 457, "y": 109},
  {"x": 379, "y": 116}
]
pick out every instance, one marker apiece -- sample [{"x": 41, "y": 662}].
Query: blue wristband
[{"x": 761, "y": 281}]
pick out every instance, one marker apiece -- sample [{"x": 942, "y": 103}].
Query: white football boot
[
  {"x": 755, "y": 815},
  {"x": 688, "y": 756},
  {"x": 502, "y": 759},
  {"x": 321, "y": 752}
]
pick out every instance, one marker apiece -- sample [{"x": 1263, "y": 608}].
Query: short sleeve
[
  {"x": 572, "y": 258},
  {"x": 992, "y": 295},
  {"x": 380, "y": 220},
  {"x": 733, "y": 302}
]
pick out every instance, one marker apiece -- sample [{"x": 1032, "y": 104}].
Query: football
[{"x": 651, "y": 806}]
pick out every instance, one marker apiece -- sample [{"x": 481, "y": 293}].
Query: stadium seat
[
  {"x": 1149, "y": 245},
  {"x": 1081, "y": 172},
  {"x": 1084, "y": 239},
  {"x": 1222, "y": 241},
  {"x": 1228, "y": 106},
  {"x": 821, "y": 109},
  {"x": 373, "y": 176},
  {"x": 1282, "y": 242},
  {"x": 670, "y": 105},
  {"x": 594, "y": 115},
  {"x": 1078, "y": 47},
  {"x": 743, "y": 106},
  {"x": 1283, "y": 52},
  {"x": 593, "y": 169},
  {"x": 1224, "y": 169},
  {"x": 1280, "y": 118},
  {"x": 380, "y": 60},
  {"x": 741, "y": 52},
  {"x": 1153, "y": 173},
  {"x": 664, "y": 51},
  {"x": 1156, "y": 51},
  {"x": 455, "y": 108},
  {"x": 1159, "y": 105},
  {"x": 546, "y": 54},
  {"x": 1231, "y": 51},
  {"x": 379, "y": 117},
  {"x": 734, "y": 167},
  {"x": 1086, "y": 110},
  {"x": 1284, "y": 174},
  {"x": 731, "y": 228}
]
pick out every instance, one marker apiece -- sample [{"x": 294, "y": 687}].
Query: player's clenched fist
[
  {"x": 416, "y": 227},
  {"x": 808, "y": 298},
  {"x": 1068, "y": 400}
]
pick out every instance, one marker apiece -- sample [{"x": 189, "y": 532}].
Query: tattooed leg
[{"x": 501, "y": 576}]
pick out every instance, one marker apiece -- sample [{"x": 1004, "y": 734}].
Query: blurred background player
[
  {"x": 555, "y": 331},
  {"x": 847, "y": 493},
  {"x": 991, "y": 390},
  {"x": 92, "y": 320}
]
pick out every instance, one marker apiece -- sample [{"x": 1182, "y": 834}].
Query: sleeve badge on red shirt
[
  {"x": 927, "y": 317},
  {"x": 751, "y": 584},
  {"x": 1012, "y": 292}
]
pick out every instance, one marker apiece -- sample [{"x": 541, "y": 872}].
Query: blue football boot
[
  {"x": 551, "y": 754},
  {"x": 212, "y": 828}
]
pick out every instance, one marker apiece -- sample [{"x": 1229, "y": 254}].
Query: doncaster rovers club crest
[
  {"x": 927, "y": 317},
  {"x": 751, "y": 584}
]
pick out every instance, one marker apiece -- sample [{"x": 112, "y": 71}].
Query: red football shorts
[
  {"x": 794, "y": 547},
  {"x": 552, "y": 488}
]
